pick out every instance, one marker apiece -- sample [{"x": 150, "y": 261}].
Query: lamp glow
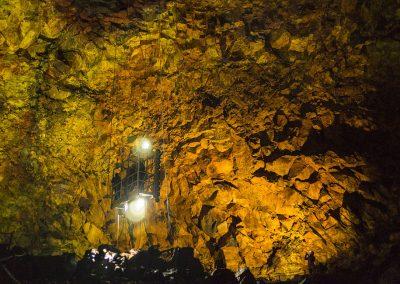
[
  {"x": 136, "y": 210},
  {"x": 145, "y": 145}
]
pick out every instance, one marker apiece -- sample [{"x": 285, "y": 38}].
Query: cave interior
[{"x": 258, "y": 136}]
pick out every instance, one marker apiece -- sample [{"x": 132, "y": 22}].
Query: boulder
[
  {"x": 232, "y": 257},
  {"x": 220, "y": 168},
  {"x": 94, "y": 234},
  {"x": 280, "y": 39},
  {"x": 281, "y": 166}
]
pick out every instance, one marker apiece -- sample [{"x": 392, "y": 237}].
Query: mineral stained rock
[{"x": 278, "y": 121}]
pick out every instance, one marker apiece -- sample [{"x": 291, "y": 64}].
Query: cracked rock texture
[{"x": 278, "y": 120}]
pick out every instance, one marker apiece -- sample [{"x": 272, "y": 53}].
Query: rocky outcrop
[{"x": 277, "y": 122}]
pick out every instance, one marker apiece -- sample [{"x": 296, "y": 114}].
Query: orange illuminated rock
[
  {"x": 232, "y": 257},
  {"x": 281, "y": 166},
  {"x": 277, "y": 123},
  {"x": 220, "y": 168}
]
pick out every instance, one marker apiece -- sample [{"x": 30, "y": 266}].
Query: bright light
[
  {"x": 136, "y": 210},
  {"x": 142, "y": 147},
  {"x": 137, "y": 205},
  {"x": 145, "y": 145}
]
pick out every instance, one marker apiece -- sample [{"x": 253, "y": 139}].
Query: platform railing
[{"x": 131, "y": 186}]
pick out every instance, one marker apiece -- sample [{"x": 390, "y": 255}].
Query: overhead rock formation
[{"x": 278, "y": 122}]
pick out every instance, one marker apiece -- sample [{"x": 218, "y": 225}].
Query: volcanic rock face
[{"x": 278, "y": 122}]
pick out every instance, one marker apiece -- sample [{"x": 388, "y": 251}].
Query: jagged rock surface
[{"x": 278, "y": 125}]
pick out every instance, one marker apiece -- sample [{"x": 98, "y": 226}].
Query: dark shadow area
[
  {"x": 376, "y": 255},
  {"x": 379, "y": 222},
  {"x": 370, "y": 270},
  {"x": 107, "y": 265},
  {"x": 379, "y": 147},
  {"x": 102, "y": 7},
  {"x": 102, "y": 15}
]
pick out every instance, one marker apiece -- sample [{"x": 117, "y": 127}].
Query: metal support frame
[{"x": 135, "y": 184}]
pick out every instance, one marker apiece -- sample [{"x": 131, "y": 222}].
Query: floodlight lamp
[
  {"x": 145, "y": 144},
  {"x": 136, "y": 209}
]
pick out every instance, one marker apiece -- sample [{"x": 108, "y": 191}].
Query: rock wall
[{"x": 278, "y": 120}]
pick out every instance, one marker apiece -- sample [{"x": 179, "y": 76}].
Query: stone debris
[{"x": 151, "y": 266}]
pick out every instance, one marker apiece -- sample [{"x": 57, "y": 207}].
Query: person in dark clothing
[{"x": 310, "y": 257}]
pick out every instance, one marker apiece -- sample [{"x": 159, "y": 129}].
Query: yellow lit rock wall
[{"x": 268, "y": 114}]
